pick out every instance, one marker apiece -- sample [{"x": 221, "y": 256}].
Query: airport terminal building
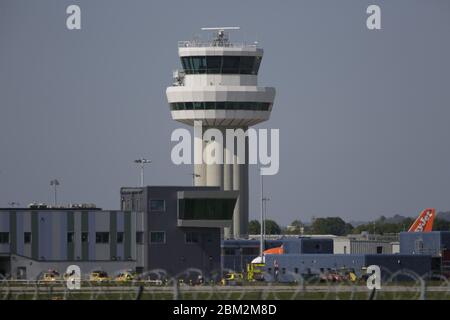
[{"x": 169, "y": 228}]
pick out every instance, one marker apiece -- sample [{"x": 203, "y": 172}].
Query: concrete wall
[
  {"x": 344, "y": 245},
  {"x": 424, "y": 242}
]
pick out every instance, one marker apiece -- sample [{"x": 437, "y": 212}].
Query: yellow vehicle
[
  {"x": 255, "y": 271},
  {"x": 99, "y": 276},
  {"x": 233, "y": 279},
  {"x": 50, "y": 276},
  {"x": 125, "y": 276}
]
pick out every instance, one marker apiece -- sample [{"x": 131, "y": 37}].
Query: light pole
[
  {"x": 142, "y": 162},
  {"x": 265, "y": 199},
  {"x": 262, "y": 216},
  {"x": 55, "y": 183}
]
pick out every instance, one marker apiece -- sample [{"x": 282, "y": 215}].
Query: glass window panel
[
  {"x": 139, "y": 237},
  {"x": 199, "y": 64},
  {"x": 220, "y": 106},
  {"x": 102, "y": 237},
  {"x": 188, "y": 106},
  {"x": 230, "y": 65},
  {"x": 157, "y": 205},
  {"x": 85, "y": 237},
  {"x": 157, "y": 237},
  {"x": 70, "y": 237},
  {"x": 214, "y": 64},
  {"x": 256, "y": 65},
  {"x": 207, "y": 209},
  {"x": 4, "y": 237},
  {"x": 210, "y": 105},
  {"x": 186, "y": 64},
  {"x": 198, "y": 105},
  {"x": 27, "y": 237},
  {"x": 246, "y": 65},
  {"x": 119, "y": 237}
]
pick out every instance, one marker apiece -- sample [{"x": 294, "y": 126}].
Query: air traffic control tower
[{"x": 218, "y": 86}]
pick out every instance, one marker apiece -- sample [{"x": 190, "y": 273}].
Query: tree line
[{"x": 337, "y": 226}]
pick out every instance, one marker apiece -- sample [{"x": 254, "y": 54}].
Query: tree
[
  {"x": 254, "y": 227},
  {"x": 441, "y": 225},
  {"x": 331, "y": 225},
  {"x": 272, "y": 227}
]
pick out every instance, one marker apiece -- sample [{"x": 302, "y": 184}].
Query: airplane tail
[{"x": 424, "y": 223}]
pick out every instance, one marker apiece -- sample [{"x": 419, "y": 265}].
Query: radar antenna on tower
[{"x": 221, "y": 38}]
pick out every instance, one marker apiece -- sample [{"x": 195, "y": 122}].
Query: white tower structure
[{"x": 219, "y": 87}]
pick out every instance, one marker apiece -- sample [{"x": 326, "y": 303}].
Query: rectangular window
[
  {"x": 296, "y": 270},
  {"x": 231, "y": 64},
  {"x": 157, "y": 205},
  {"x": 85, "y": 237},
  {"x": 206, "y": 209},
  {"x": 157, "y": 237},
  {"x": 247, "y": 64},
  {"x": 119, "y": 237},
  {"x": 102, "y": 237},
  {"x": 214, "y": 64},
  {"x": 4, "y": 237},
  {"x": 192, "y": 237},
  {"x": 27, "y": 237},
  {"x": 70, "y": 237},
  {"x": 139, "y": 237}
]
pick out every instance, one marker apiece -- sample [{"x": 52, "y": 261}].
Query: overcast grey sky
[{"x": 363, "y": 115}]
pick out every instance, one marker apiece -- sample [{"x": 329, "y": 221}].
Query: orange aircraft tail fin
[
  {"x": 277, "y": 250},
  {"x": 424, "y": 223}
]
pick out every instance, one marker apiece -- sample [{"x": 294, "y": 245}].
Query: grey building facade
[
  {"x": 236, "y": 254},
  {"x": 35, "y": 240},
  {"x": 183, "y": 225},
  {"x": 167, "y": 228}
]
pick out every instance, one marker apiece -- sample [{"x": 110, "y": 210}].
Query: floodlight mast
[
  {"x": 55, "y": 183},
  {"x": 142, "y": 162}
]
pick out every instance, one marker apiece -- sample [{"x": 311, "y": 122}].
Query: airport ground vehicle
[
  {"x": 233, "y": 279},
  {"x": 99, "y": 276},
  {"x": 51, "y": 276},
  {"x": 255, "y": 272},
  {"x": 125, "y": 276}
]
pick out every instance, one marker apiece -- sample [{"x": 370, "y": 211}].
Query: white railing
[{"x": 205, "y": 44}]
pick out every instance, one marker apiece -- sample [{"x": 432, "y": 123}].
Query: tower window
[{"x": 221, "y": 64}]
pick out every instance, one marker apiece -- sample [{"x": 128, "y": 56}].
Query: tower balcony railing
[{"x": 206, "y": 44}]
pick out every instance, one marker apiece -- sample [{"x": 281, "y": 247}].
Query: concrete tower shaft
[{"x": 218, "y": 86}]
